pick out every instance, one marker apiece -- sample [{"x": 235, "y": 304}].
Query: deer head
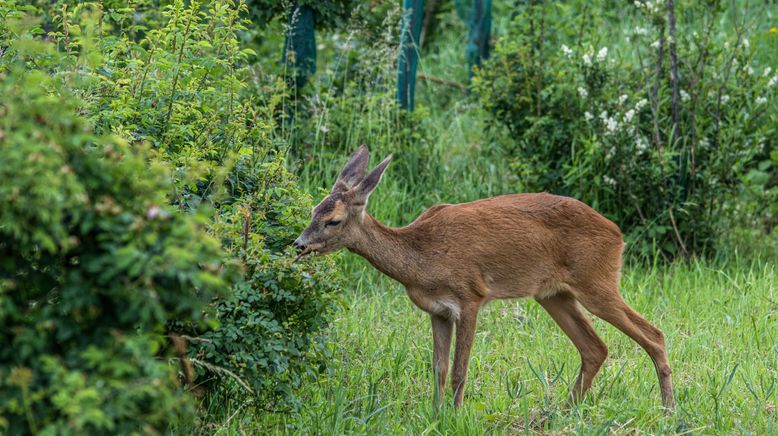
[{"x": 336, "y": 220}]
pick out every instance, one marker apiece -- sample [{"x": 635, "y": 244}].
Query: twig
[
  {"x": 179, "y": 344},
  {"x": 677, "y": 233},
  {"x": 673, "y": 71},
  {"x": 655, "y": 90},
  {"x": 450, "y": 83},
  {"x": 219, "y": 370},
  {"x": 429, "y": 13},
  {"x": 178, "y": 73}
]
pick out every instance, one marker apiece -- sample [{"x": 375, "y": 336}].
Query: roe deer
[{"x": 455, "y": 258}]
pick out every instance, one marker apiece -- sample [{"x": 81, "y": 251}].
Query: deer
[{"x": 454, "y": 258}]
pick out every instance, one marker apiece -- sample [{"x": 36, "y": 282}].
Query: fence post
[
  {"x": 300, "y": 45},
  {"x": 479, "y": 23},
  {"x": 413, "y": 15}
]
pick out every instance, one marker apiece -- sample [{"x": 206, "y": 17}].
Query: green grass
[{"x": 721, "y": 324}]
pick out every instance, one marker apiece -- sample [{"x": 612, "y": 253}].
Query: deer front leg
[
  {"x": 465, "y": 332},
  {"x": 441, "y": 342}
]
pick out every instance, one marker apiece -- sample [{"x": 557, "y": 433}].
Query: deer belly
[{"x": 522, "y": 286}]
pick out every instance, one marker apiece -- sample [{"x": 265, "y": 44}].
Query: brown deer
[{"x": 455, "y": 258}]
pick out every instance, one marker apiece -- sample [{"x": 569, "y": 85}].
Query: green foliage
[
  {"x": 328, "y": 13},
  {"x": 177, "y": 82},
  {"x": 93, "y": 265},
  {"x": 184, "y": 88},
  {"x": 271, "y": 326},
  {"x": 598, "y": 124}
]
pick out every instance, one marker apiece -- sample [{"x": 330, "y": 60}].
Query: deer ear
[
  {"x": 354, "y": 171},
  {"x": 369, "y": 183}
]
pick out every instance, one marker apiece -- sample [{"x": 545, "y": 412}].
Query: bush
[
  {"x": 607, "y": 126},
  {"x": 271, "y": 332},
  {"x": 183, "y": 87},
  {"x": 93, "y": 266}
]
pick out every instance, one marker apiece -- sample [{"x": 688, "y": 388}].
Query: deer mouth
[{"x": 309, "y": 250}]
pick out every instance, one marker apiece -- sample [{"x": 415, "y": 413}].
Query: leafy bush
[
  {"x": 183, "y": 87},
  {"x": 93, "y": 266},
  {"x": 278, "y": 312},
  {"x": 659, "y": 156}
]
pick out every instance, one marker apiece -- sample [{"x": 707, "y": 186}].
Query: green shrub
[
  {"x": 598, "y": 124},
  {"x": 183, "y": 87},
  {"x": 271, "y": 332},
  {"x": 93, "y": 266}
]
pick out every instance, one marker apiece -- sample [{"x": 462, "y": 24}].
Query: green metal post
[
  {"x": 413, "y": 15},
  {"x": 300, "y": 45},
  {"x": 479, "y": 25}
]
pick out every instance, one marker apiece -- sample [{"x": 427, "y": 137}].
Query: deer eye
[{"x": 333, "y": 223}]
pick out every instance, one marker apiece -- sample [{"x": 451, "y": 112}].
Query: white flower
[
  {"x": 587, "y": 60},
  {"x": 746, "y": 43},
  {"x": 641, "y": 104},
  {"x": 724, "y": 98},
  {"x": 611, "y": 124},
  {"x": 641, "y": 144},
  {"x": 651, "y": 8},
  {"x": 772, "y": 81},
  {"x": 623, "y": 98},
  {"x": 602, "y": 54},
  {"x": 655, "y": 44},
  {"x": 684, "y": 96},
  {"x": 761, "y": 100},
  {"x": 629, "y": 115},
  {"x": 767, "y": 72},
  {"x": 582, "y": 92},
  {"x": 324, "y": 129},
  {"x": 566, "y": 50},
  {"x": 704, "y": 143},
  {"x": 749, "y": 70},
  {"x": 603, "y": 115},
  {"x": 588, "y": 115},
  {"x": 609, "y": 180},
  {"x": 641, "y": 30}
]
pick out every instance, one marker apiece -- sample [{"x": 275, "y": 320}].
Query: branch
[{"x": 451, "y": 83}]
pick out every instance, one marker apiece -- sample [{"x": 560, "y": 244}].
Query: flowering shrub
[{"x": 656, "y": 135}]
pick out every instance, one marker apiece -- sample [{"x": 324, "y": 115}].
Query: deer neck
[{"x": 391, "y": 251}]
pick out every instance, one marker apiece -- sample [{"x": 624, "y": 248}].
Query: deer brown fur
[{"x": 455, "y": 258}]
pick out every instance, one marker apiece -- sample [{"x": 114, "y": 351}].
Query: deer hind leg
[
  {"x": 465, "y": 332},
  {"x": 610, "y": 306},
  {"x": 441, "y": 341},
  {"x": 564, "y": 309}
]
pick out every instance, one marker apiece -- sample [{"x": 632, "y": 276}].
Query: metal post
[{"x": 413, "y": 15}]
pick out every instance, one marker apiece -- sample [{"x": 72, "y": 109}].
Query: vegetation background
[{"x": 158, "y": 157}]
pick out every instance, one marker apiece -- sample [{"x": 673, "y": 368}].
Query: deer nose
[{"x": 298, "y": 245}]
